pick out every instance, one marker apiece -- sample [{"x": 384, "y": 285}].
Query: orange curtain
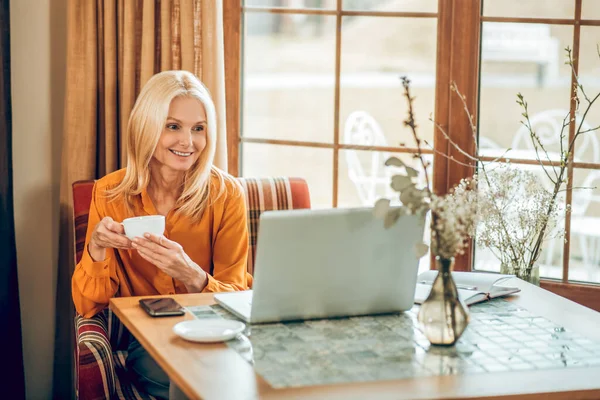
[{"x": 113, "y": 48}]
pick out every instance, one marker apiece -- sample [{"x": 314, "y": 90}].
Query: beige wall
[{"x": 38, "y": 37}]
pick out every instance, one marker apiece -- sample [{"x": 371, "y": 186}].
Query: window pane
[
  {"x": 550, "y": 259},
  {"x": 527, "y": 59},
  {"x": 529, "y": 8},
  {"x": 364, "y": 178},
  {"x": 391, "y": 5},
  {"x": 288, "y": 79},
  {"x": 585, "y": 219},
  {"x": 291, "y": 3},
  {"x": 375, "y": 53},
  {"x": 312, "y": 164},
  {"x": 587, "y": 147},
  {"x": 590, "y": 9}
]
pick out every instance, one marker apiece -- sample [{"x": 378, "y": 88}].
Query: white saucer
[{"x": 209, "y": 330}]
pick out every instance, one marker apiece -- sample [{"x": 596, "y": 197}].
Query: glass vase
[
  {"x": 442, "y": 316},
  {"x": 532, "y": 276}
]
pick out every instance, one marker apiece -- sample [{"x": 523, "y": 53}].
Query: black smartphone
[{"x": 161, "y": 307}]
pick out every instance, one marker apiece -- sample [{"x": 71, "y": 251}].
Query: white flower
[
  {"x": 516, "y": 214},
  {"x": 454, "y": 218}
]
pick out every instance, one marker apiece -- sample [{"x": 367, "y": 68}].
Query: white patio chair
[
  {"x": 366, "y": 169},
  {"x": 547, "y": 125}
]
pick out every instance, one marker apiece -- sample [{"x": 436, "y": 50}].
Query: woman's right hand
[{"x": 107, "y": 234}]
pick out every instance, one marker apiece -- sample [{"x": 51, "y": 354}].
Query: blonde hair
[{"x": 145, "y": 126}]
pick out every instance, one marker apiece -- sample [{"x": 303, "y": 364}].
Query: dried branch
[
  {"x": 470, "y": 116},
  {"x": 535, "y": 139},
  {"x": 446, "y": 156},
  {"x": 410, "y": 122},
  {"x": 454, "y": 144}
]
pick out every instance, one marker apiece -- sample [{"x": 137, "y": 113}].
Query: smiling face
[{"x": 183, "y": 137}]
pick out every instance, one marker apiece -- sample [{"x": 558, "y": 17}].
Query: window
[
  {"x": 322, "y": 96},
  {"x": 316, "y": 93},
  {"x": 522, "y": 50},
  {"x": 321, "y": 93}
]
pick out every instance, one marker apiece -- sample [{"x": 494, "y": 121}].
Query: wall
[{"x": 38, "y": 40}]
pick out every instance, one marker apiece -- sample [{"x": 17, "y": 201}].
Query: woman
[{"x": 170, "y": 149}]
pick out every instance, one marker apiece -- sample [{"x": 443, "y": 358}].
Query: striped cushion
[
  {"x": 101, "y": 353},
  {"x": 95, "y": 370},
  {"x": 267, "y": 194},
  {"x": 102, "y": 340}
]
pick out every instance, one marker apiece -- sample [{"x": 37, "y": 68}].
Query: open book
[{"x": 473, "y": 287}]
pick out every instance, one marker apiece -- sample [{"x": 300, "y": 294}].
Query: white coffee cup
[{"x": 138, "y": 226}]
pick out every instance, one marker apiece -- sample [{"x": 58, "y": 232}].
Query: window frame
[{"x": 458, "y": 51}]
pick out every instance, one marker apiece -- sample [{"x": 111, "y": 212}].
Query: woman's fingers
[
  {"x": 150, "y": 256},
  {"x": 162, "y": 241},
  {"x": 111, "y": 239},
  {"x": 112, "y": 226},
  {"x": 115, "y": 227},
  {"x": 106, "y": 222},
  {"x": 151, "y": 246}
]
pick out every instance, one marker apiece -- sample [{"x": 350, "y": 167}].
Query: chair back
[
  {"x": 366, "y": 168},
  {"x": 267, "y": 194},
  {"x": 548, "y": 126},
  {"x": 262, "y": 194}
]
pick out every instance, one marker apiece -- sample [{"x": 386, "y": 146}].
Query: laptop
[{"x": 313, "y": 264}]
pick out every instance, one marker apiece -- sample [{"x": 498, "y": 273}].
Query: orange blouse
[{"x": 218, "y": 244}]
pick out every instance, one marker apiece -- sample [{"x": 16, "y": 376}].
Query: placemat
[{"x": 500, "y": 337}]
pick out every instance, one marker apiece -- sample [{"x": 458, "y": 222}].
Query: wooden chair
[{"x": 101, "y": 341}]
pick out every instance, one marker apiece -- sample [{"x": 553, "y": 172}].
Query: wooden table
[{"x": 214, "y": 371}]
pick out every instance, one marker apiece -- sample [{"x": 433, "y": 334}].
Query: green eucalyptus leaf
[
  {"x": 391, "y": 217},
  {"x": 413, "y": 173},
  {"x": 395, "y": 162},
  {"x": 421, "y": 249},
  {"x": 381, "y": 208},
  {"x": 412, "y": 197},
  {"x": 401, "y": 182}
]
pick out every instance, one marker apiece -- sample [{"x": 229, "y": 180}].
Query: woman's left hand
[{"x": 172, "y": 260}]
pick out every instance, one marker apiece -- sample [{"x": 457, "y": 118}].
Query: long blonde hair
[{"x": 145, "y": 126}]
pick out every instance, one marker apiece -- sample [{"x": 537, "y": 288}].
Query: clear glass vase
[
  {"x": 532, "y": 276},
  {"x": 442, "y": 316}
]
